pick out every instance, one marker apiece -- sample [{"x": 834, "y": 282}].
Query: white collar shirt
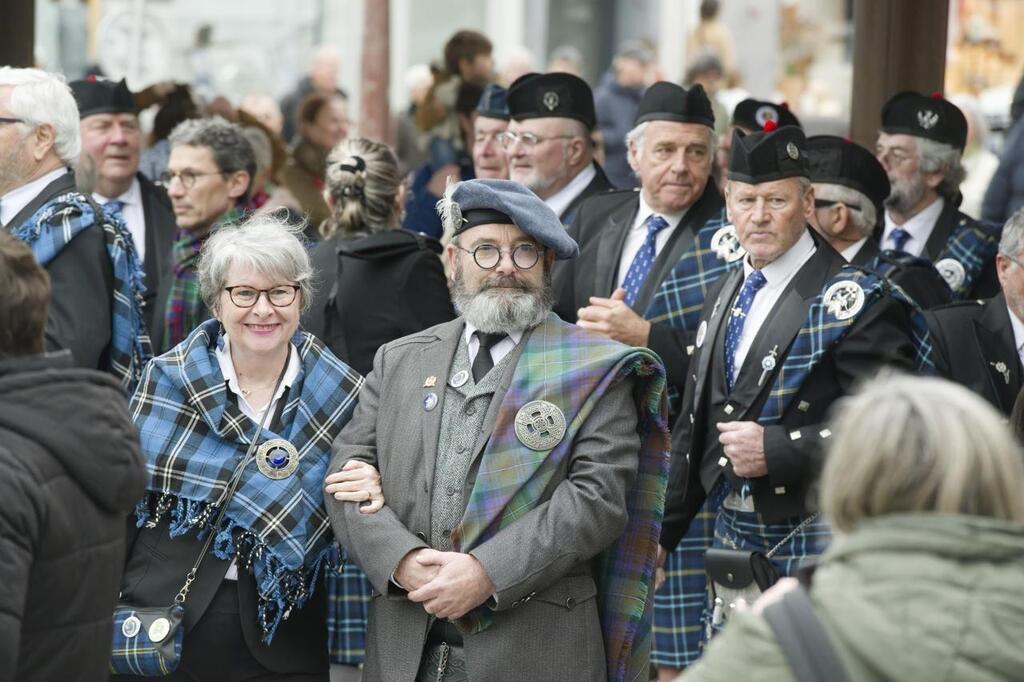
[
  {"x": 1018, "y": 334},
  {"x": 919, "y": 227},
  {"x": 560, "y": 200},
  {"x": 133, "y": 214},
  {"x": 14, "y": 201},
  {"x": 637, "y": 235},
  {"x": 851, "y": 251},
  {"x": 498, "y": 350}
]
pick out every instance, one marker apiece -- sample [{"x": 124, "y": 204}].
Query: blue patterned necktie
[
  {"x": 899, "y": 238},
  {"x": 114, "y": 207},
  {"x": 737, "y": 318},
  {"x": 643, "y": 260}
]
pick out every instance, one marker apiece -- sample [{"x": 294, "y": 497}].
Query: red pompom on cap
[
  {"x": 936, "y": 95},
  {"x": 770, "y": 125},
  {"x": 785, "y": 106}
]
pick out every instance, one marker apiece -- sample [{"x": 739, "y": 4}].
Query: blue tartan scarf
[
  {"x": 59, "y": 221},
  {"x": 193, "y": 437},
  {"x": 572, "y": 369},
  {"x": 973, "y": 245},
  {"x": 822, "y": 330}
]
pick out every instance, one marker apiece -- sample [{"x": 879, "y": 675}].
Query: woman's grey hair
[
  {"x": 363, "y": 198},
  {"x": 262, "y": 148},
  {"x": 906, "y": 444},
  {"x": 231, "y": 151},
  {"x": 862, "y": 214},
  {"x": 263, "y": 244},
  {"x": 41, "y": 98},
  {"x": 1012, "y": 241},
  {"x": 635, "y": 138},
  {"x": 938, "y": 157}
]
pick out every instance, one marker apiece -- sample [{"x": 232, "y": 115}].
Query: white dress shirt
[
  {"x": 851, "y": 251},
  {"x": 637, "y": 235},
  {"x": 1018, "y": 334},
  {"x": 17, "y": 199},
  {"x": 777, "y": 276},
  {"x": 560, "y": 200},
  {"x": 227, "y": 368},
  {"x": 498, "y": 350},
  {"x": 920, "y": 228},
  {"x": 133, "y": 214}
]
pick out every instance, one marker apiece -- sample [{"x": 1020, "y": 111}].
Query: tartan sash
[
  {"x": 972, "y": 244},
  {"x": 193, "y": 437},
  {"x": 571, "y": 368},
  {"x": 53, "y": 226},
  {"x": 822, "y": 329}
]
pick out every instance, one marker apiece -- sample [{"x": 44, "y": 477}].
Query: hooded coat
[{"x": 72, "y": 472}]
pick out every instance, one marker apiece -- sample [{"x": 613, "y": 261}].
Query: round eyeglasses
[
  {"x": 280, "y": 296},
  {"x": 188, "y": 178},
  {"x": 528, "y": 140},
  {"x": 487, "y": 256}
]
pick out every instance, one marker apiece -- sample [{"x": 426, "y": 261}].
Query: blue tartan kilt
[
  {"x": 681, "y": 601},
  {"x": 348, "y": 601}
]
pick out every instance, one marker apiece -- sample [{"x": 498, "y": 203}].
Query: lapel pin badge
[{"x": 430, "y": 381}]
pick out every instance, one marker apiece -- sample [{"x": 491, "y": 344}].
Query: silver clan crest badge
[
  {"x": 952, "y": 271},
  {"x": 844, "y": 299},
  {"x": 927, "y": 119},
  {"x": 540, "y": 425},
  {"x": 726, "y": 244},
  {"x": 550, "y": 100}
]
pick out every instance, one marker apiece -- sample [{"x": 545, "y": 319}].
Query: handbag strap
[
  {"x": 803, "y": 524},
  {"x": 226, "y": 496},
  {"x": 803, "y": 638}
]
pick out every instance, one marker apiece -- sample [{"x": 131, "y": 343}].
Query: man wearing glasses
[
  {"x": 548, "y": 142},
  {"x": 207, "y": 178},
  {"x": 920, "y": 147},
  {"x": 980, "y": 343},
  {"x": 94, "y": 307},
  {"x": 513, "y": 448},
  {"x": 111, "y": 138}
]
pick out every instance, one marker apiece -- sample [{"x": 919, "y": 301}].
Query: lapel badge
[
  {"x": 768, "y": 364},
  {"x": 844, "y": 299},
  {"x": 430, "y": 381},
  {"x": 459, "y": 378},
  {"x": 1002, "y": 369},
  {"x": 952, "y": 271},
  {"x": 540, "y": 425},
  {"x": 702, "y": 331},
  {"x": 726, "y": 244},
  {"x": 429, "y": 401},
  {"x": 277, "y": 459}
]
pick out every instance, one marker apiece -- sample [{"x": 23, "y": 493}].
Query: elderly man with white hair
[{"x": 93, "y": 266}]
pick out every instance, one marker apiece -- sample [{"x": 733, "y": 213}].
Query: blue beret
[
  {"x": 505, "y": 201},
  {"x": 493, "y": 102}
]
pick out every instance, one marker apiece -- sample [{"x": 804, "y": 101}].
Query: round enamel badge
[
  {"x": 540, "y": 425},
  {"x": 764, "y": 114},
  {"x": 726, "y": 244},
  {"x": 277, "y": 459},
  {"x": 702, "y": 331},
  {"x": 131, "y": 626},
  {"x": 159, "y": 629},
  {"x": 844, "y": 299},
  {"x": 952, "y": 271}
]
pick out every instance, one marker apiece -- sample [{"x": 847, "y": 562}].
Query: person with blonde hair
[{"x": 922, "y": 490}]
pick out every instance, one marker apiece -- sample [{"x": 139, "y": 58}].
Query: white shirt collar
[
  {"x": 851, "y": 251},
  {"x": 514, "y": 334},
  {"x": 783, "y": 267},
  {"x": 920, "y": 226},
  {"x": 227, "y": 368},
  {"x": 14, "y": 201},
  {"x": 1018, "y": 330},
  {"x": 132, "y": 196},
  {"x": 561, "y": 199},
  {"x": 645, "y": 211}
]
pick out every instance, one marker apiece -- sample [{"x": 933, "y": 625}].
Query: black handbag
[{"x": 148, "y": 639}]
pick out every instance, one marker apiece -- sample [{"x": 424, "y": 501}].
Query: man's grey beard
[
  {"x": 494, "y": 310},
  {"x": 905, "y": 194}
]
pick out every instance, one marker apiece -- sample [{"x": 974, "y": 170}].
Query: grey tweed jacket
[{"x": 546, "y": 624}]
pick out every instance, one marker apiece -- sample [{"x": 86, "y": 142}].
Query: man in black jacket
[
  {"x": 111, "y": 137},
  {"x": 978, "y": 343},
  {"x": 72, "y": 473}
]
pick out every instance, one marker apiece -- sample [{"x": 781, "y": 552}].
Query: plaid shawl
[
  {"x": 572, "y": 369},
  {"x": 822, "y": 330},
  {"x": 193, "y": 437},
  {"x": 53, "y": 226},
  {"x": 973, "y": 244}
]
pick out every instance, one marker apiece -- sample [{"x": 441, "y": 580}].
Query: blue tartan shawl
[
  {"x": 822, "y": 330},
  {"x": 53, "y": 226},
  {"x": 573, "y": 368},
  {"x": 193, "y": 437},
  {"x": 973, "y": 244}
]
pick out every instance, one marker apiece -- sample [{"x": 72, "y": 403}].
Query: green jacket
[{"x": 905, "y": 597}]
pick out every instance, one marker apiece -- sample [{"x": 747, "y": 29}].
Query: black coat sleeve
[
  {"x": 672, "y": 346},
  {"x": 20, "y": 516}
]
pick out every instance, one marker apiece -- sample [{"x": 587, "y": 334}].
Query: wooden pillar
[
  {"x": 17, "y": 33},
  {"x": 375, "y": 114},
  {"x": 897, "y": 45}
]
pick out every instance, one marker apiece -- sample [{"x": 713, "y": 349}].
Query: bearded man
[{"x": 523, "y": 464}]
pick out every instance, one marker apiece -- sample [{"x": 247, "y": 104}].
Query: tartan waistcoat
[{"x": 462, "y": 418}]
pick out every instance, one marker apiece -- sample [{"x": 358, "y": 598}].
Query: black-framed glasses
[
  {"x": 8, "y": 119},
  {"x": 529, "y": 140},
  {"x": 280, "y": 296},
  {"x": 487, "y": 256},
  {"x": 187, "y": 177}
]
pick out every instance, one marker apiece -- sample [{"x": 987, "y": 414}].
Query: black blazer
[
  {"x": 793, "y": 448},
  {"x": 82, "y": 286},
  {"x": 601, "y": 228},
  {"x": 373, "y": 289},
  {"x": 161, "y": 227},
  {"x": 599, "y": 184},
  {"x": 975, "y": 347},
  {"x": 156, "y": 569},
  {"x": 922, "y": 283}
]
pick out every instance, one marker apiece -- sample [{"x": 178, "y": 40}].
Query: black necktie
[{"x": 483, "y": 363}]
